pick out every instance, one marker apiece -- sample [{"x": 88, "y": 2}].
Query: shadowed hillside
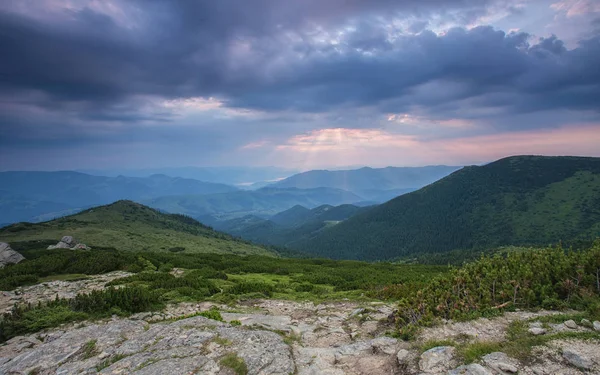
[{"x": 522, "y": 200}]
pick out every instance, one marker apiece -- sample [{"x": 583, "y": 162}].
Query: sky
[{"x": 297, "y": 84}]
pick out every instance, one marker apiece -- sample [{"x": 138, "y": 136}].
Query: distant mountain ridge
[
  {"x": 521, "y": 200},
  {"x": 263, "y": 202},
  {"x": 238, "y": 176},
  {"x": 25, "y": 196},
  {"x": 378, "y": 184}
]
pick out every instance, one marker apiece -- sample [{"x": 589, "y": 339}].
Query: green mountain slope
[
  {"x": 126, "y": 225},
  {"x": 521, "y": 200},
  {"x": 290, "y": 226},
  {"x": 296, "y": 215}
]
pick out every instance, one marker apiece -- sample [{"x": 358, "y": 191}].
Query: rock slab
[
  {"x": 8, "y": 255},
  {"x": 68, "y": 242},
  {"x": 122, "y": 346},
  {"x": 576, "y": 359},
  {"x": 438, "y": 359}
]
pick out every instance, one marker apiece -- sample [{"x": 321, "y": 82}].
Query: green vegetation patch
[
  {"x": 551, "y": 278},
  {"x": 235, "y": 363}
]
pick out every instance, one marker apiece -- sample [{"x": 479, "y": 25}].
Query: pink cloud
[
  {"x": 340, "y": 146},
  {"x": 576, "y": 7}
]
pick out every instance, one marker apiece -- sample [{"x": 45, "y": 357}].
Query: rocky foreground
[{"x": 280, "y": 337}]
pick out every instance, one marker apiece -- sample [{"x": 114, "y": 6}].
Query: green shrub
[
  {"x": 550, "y": 278},
  {"x": 245, "y": 287},
  {"x": 213, "y": 314}
]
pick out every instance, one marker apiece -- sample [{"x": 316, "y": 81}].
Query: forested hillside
[
  {"x": 287, "y": 227},
  {"x": 521, "y": 200}
]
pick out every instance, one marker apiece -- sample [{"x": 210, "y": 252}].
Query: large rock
[
  {"x": 537, "y": 331},
  {"x": 501, "y": 363},
  {"x": 596, "y": 325},
  {"x": 68, "y": 242},
  {"x": 576, "y": 359},
  {"x": 472, "y": 369},
  {"x": 8, "y": 255},
  {"x": 438, "y": 359},
  {"x": 189, "y": 346}
]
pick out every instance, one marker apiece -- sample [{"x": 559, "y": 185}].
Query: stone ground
[
  {"x": 275, "y": 337},
  {"x": 49, "y": 290}
]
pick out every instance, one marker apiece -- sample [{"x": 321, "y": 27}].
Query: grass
[
  {"x": 235, "y": 363},
  {"x": 89, "y": 349},
  {"x": 472, "y": 352}
]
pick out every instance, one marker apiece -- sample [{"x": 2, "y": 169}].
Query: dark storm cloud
[{"x": 272, "y": 55}]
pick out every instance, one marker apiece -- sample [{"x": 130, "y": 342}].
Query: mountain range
[
  {"x": 263, "y": 202},
  {"x": 36, "y": 196},
  {"x": 242, "y": 177},
  {"x": 373, "y": 184},
  {"x": 522, "y": 200},
  {"x": 39, "y": 196}
]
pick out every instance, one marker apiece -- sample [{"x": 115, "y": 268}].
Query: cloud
[
  {"x": 304, "y": 57},
  {"x": 377, "y": 147},
  {"x": 231, "y": 79}
]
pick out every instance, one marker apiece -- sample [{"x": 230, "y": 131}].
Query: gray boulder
[
  {"x": 472, "y": 369},
  {"x": 68, "y": 242},
  {"x": 576, "y": 359},
  {"x": 596, "y": 325},
  {"x": 501, "y": 363},
  {"x": 438, "y": 359},
  {"x": 8, "y": 255},
  {"x": 537, "y": 331},
  {"x": 571, "y": 324}
]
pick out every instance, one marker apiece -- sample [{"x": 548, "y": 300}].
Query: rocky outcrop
[
  {"x": 277, "y": 337},
  {"x": 438, "y": 359},
  {"x": 68, "y": 242},
  {"x": 472, "y": 369},
  {"x": 577, "y": 359},
  {"x": 190, "y": 346},
  {"x": 48, "y": 291},
  {"x": 501, "y": 363},
  {"x": 8, "y": 255}
]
